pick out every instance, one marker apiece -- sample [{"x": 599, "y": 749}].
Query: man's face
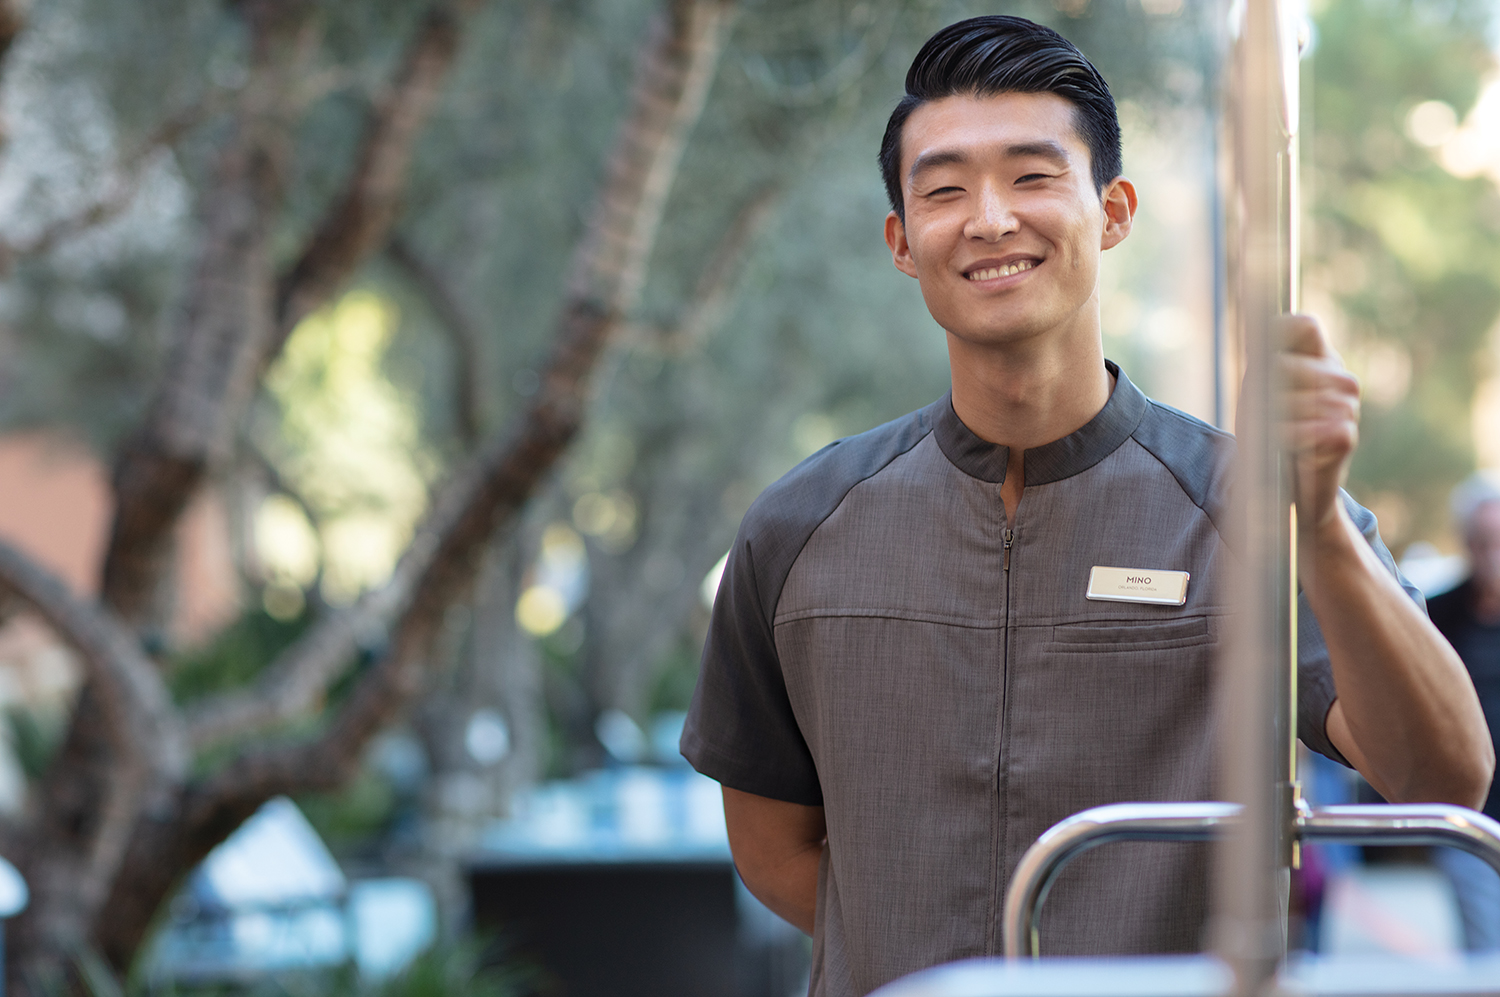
[
  {"x": 1004, "y": 226},
  {"x": 1484, "y": 543}
]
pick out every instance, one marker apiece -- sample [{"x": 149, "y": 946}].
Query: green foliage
[
  {"x": 354, "y": 815},
  {"x": 1410, "y": 253},
  {"x": 677, "y": 674},
  {"x": 466, "y": 967},
  {"x": 236, "y": 656},
  {"x": 462, "y": 969},
  {"x": 34, "y": 738}
]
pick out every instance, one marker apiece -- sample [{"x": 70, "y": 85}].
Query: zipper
[{"x": 1009, "y": 536}]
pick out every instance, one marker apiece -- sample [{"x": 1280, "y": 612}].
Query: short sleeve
[
  {"x": 1315, "y": 689},
  {"x": 740, "y": 728}
]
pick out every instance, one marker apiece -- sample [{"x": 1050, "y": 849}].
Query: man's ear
[
  {"x": 895, "y": 237},
  {"x": 1119, "y": 212}
]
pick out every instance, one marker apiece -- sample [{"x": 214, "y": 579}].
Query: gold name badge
[{"x": 1151, "y": 585}]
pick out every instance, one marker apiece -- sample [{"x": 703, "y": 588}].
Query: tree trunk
[
  {"x": 100, "y": 808},
  {"x": 440, "y": 566}
]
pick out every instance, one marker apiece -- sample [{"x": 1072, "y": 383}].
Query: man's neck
[{"x": 1024, "y": 398}]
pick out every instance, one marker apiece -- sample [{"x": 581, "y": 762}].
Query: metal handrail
[
  {"x": 1405, "y": 824},
  {"x": 1410, "y": 824},
  {"x": 1072, "y": 836}
]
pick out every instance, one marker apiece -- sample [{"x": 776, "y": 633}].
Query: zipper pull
[{"x": 1010, "y": 536}]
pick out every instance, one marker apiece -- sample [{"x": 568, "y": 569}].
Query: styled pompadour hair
[{"x": 996, "y": 54}]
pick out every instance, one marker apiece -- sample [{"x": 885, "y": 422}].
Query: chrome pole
[{"x": 1252, "y": 864}]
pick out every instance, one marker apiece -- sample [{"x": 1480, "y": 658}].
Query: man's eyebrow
[
  {"x": 931, "y": 160},
  {"x": 1047, "y": 149},
  {"x": 1044, "y": 149}
]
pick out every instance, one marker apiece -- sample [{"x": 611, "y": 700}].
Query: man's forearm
[
  {"x": 1406, "y": 715},
  {"x": 777, "y": 847},
  {"x": 790, "y": 890}
]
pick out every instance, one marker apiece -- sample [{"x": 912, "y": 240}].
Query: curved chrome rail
[
  {"x": 1071, "y": 837},
  {"x": 1406, "y": 824}
]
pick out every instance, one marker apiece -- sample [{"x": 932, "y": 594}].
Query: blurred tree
[
  {"x": 1406, "y": 254},
  {"x": 122, "y": 813}
]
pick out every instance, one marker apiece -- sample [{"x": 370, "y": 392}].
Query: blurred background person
[{"x": 1469, "y": 616}]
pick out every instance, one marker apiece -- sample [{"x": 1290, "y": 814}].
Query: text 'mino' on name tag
[{"x": 1152, "y": 585}]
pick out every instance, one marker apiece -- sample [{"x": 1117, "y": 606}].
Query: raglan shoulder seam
[
  {"x": 769, "y": 511},
  {"x": 1191, "y": 424}
]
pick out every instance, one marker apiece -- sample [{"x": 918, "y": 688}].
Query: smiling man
[{"x": 936, "y": 639}]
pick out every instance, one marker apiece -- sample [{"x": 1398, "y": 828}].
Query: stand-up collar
[{"x": 1074, "y": 453}]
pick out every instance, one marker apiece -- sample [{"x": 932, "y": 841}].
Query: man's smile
[{"x": 986, "y": 270}]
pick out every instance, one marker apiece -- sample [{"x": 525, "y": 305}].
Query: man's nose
[{"x": 992, "y": 217}]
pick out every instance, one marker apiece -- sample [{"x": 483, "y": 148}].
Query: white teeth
[{"x": 990, "y": 273}]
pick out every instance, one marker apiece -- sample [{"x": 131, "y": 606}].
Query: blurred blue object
[
  {"x": 620, "y": 884},
  {"x": 632, "y": 813},
  {"x": 272, "y": 898},
  {"x": 393, "y": 921},
  {"x": 1148, "y": 976},
  {"x": 1198, "y": 976},
  {"x": 13, "y": 893},
  {"x": 14, "y": 897},
  {"x": 666, "y": 735}
]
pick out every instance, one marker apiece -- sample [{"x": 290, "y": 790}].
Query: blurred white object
[
  {"x": 487, "y": 737},
  {"x": 393, "y": 921},
  {"x": 1431, "y": 570},
  {"x": 13, "y": 893},
  {"x": 1406, "y": 910},
  {"x": 274, "y": 859},
  {"x": 632, "y": 813},
  {"x": 621, "y": 736},
  {"x": 708, "y": 591},
  {"x": 271, "y": 898},
  {"x": 666, "y": 734}
]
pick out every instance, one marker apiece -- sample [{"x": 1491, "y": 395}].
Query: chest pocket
[{"x": 1124, "y": 637}]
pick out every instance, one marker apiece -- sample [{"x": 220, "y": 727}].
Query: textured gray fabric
[
  {"x": 871, "y": 652},
  {"x": 751, "y": 737}
]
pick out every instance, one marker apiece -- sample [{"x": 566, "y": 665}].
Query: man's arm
[
  {"x": 1406, "y": 716},
  {"x": 776, "y": 848}
]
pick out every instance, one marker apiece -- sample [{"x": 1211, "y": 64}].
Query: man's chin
[{"x": 996, "y": 335}]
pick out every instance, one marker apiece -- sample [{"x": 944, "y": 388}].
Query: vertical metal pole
[{"x": 1256, "y": 683}]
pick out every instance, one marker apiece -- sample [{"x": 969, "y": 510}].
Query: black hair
[{"x": 985, "y": 56}]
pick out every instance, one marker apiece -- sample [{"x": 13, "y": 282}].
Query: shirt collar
[{"x": 1073, "y": 454}]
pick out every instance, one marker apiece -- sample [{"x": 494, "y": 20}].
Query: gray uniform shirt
[{"x": 885, "y": 644}]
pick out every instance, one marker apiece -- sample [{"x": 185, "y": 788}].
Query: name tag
[{"x": 1160, "y": 588}]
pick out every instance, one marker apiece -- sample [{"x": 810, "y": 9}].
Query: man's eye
[
  {"x": 1031, "y": 176},
  {"x": 944, "y": 190}
]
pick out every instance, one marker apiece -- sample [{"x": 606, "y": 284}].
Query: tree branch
[
  {"x": 235, "y": 321},
  {"x": 12, "y": 20},
  {"x": 717, "y": 283},
  {"x": 119, "y": 192},
  {"x": 439, "y": 566},
  {"x": 611, "y": 265},
  {"x": 217, "y": 343},
  {"x": 135, "y": 700},
  {"x": 107, "y": 772},
  {"x": 463, "y": 335},
  {"x": 359, "y": 221}
]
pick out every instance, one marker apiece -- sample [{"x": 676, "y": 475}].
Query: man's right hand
[{"x": 777, "y": 847}]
